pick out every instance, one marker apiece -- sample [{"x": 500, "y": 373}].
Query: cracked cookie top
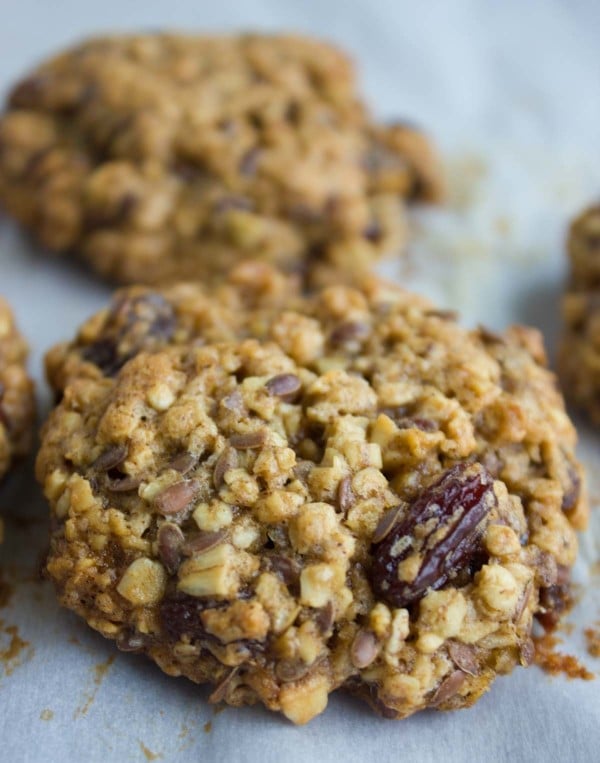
[
  {"x": 283, "y": 494},
  {"x": 163, "y": 157},
  {"x": 16, "y": 392}
]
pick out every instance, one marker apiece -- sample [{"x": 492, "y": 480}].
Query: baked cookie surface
[
  {"x": 579, "y": 353},
  {"x": 16, "y": 392},
  {"x": 167, "y": 157},
  {"x": 285, "y": 495}
]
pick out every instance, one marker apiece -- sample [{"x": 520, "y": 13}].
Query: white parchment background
[{"x": 510, "y": 90}]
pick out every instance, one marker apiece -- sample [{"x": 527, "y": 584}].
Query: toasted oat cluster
[
  {"x": 285, "y": 495},
  {"x": 166, "y": 157},
  {"x": 579, "y": 355},
  {"x": 16, "y": 392}
]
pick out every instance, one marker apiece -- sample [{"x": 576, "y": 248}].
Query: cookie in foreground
[
  {"x": 579, "y": 353},
  {"x": 284, "y": 495},
  {"x": 166, "y": 157}
]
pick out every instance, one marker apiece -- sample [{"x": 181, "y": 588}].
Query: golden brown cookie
[
  {"x": 167, "y": 157},
  {"x": 16, "y": 392},
  {"x": 579, "y": 352},
  {"x": 285, "y": 495}
]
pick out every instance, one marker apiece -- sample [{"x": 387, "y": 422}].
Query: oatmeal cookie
[
  {"x": 167, "y": 157},
  {"x": 579, "y": 353},
  {"x": 283, "y": 495},
  {"x": 16, "y": 392}
]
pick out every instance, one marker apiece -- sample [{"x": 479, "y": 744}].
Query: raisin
[
  {"x": 133, "y": 324},
  {"x": 442, "y": 528},
  {"x": 180, "y": 615},
  {"x": 554, "y": 601}
]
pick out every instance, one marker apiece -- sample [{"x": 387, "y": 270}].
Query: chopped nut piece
[
  {"x": 211, "y": 573},
  {"x": 301, "y": 702},
  {"x": 143, "y": 582},
  {"x": 497, "y": 589},
  {"x": 213, "y": 517},
  {"x": 240, "y": 620},
  {"x": 319, "y": 583}
]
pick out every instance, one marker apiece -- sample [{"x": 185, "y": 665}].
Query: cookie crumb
[
  {"x": 16, "y": 652},
  {"x": 148, "y": 754},
  {"x": 592, "y": 638},
  {"x": 555, "y": 662}
]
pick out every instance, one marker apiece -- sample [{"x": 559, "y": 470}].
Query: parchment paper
[{"x": 510, "y": 92}]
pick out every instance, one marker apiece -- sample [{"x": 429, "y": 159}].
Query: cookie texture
[
  {"x": 285, "y": 495},
  {"x": 16, "y": 392},
  {"x": 579, "y": 353},
  {"x": 166, "y": 157}
]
